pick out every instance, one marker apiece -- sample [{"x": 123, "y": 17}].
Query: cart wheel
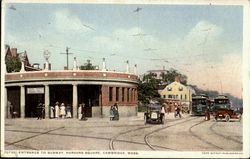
[
  {"x": 227, "y": 118},
  {"x": 239, "y": 117}
]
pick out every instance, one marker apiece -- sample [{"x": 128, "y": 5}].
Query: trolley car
[
  {"x": 221, "y": 102},
  {"x": 199, "y": 104}
]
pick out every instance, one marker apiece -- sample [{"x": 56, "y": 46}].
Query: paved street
[{"x": 130, "y": 133}]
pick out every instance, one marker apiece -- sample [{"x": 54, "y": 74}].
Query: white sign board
[{"x": 36, "y": 90}]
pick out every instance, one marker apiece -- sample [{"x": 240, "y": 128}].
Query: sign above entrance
[{"x": 36, "y": 90}]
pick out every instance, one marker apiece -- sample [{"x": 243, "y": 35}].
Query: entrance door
[
  {"x": 61, "y": 94},
  {"x": 34, "y": 95},
  {"x": 89, "y": 94},
  {"x": 13, "y": 97}
]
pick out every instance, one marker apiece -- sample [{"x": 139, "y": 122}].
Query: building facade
[
  {"x": 98, "y": 89},
  {"x": 177, "y": 93}
]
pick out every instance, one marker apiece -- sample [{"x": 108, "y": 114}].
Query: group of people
[
  {"x": 114, "y": 114},
  {"x": 60, "y": 111}
]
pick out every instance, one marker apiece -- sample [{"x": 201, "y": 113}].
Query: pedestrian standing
[
  {"x": 52, "y": 109},
  {"x": 116, "y": 112},
  {"x": 111, "y": 113},
  {"x": 68, "y": 110},
  {"x": 39, "y": 110},
  {"x": 80, "y": 112},
  {"x": 175, "y": 110},
  {"x": 63, "y": 111},
  {"x": 207, "y": 114},
  {"x": 57, "y": 110},
  {"x": 178, "y": 111},
  {"x": 43, "y": 111},
  {"x": 83, "y": 112}
]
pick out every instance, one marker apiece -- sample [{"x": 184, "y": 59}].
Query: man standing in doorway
[{"x": 39, "y": 110}]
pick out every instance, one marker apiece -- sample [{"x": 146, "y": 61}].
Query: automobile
[
  {"x": 226, "y": 114},
  {"x": 154, "y": 114}
]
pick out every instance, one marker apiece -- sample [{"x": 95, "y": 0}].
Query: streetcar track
[
  {"x": 30, "y": 137},
  {"x": 113, "y": 139},
  {"x": 198, "y": 137},
  {"x": 22, "y": 146},
  {"x": 157, "y": 130},
  {"x": 226, "y": 137}
]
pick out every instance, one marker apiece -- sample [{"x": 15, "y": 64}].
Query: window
[
  {"x": 132, "y": 92},
  {"x": 180, "y": 88},
  {"x": 128, "y": 95},
  {"x": 169, "y": 89},
  {"x": 123, "y": 94},
  {"x": 185, "y": 96},
  {"x": 181, "y": 96},
  {"x": 110, "y": 94},
  {"x": 176, "y": 96},
  {"x": 164, "y": 96},
  {"x": 117, "y": 94},
  {"x": 169, "y": 96}
]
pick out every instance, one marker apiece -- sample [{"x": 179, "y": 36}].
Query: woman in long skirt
[
  {"x": 57, "y": 110},
  {"x": 63, "y": 112},
  {"x": 68, "y": 110}
]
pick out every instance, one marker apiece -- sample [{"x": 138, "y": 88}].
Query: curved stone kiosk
[{"x": 97, "y": 89}]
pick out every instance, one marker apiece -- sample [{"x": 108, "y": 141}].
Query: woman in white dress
[
  {"x": 52, "y": 112},
  {"x": 80, "y": 112},
  {"x": 63, "y": 111},
  {"x": 57, "y": 110}
]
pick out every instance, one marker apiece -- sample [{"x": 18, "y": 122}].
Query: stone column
[
  {"x": 46, "y": 101},
  {"x": 22, "y": 102},
  {"x": 75, "y": 98}
]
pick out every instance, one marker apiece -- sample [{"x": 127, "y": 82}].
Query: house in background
[
  {"x": 177, "y": 93},
  {"x": 12, "y": 52}
]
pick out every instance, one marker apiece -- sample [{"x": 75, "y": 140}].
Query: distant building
[
  {"x": 12, "y": 52},
  {"x": 158, "y": 72},
  {"x": 177, "y": 93}
]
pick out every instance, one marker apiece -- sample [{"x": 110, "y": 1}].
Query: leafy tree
[
  {"x": 147, "y": 89},
  {"x": 13, "y": 64},
  {"x": 169, "y": 77},
  {"x": 87, "y": 66}
]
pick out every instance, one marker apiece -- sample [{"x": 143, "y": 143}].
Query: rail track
[{"x": 201, "y": 139}]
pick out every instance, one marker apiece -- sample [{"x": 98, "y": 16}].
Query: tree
[
  {"x": 87, "y": 66},
  {"x": 147, "y": 89},
  {"x": 13, "y": 64},
  {"x": 169, "y": 77}
]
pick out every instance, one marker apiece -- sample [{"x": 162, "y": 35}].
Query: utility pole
[{"x": 67, "y": 54}]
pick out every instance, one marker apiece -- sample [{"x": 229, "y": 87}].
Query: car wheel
[{"x": 227, "y": 117}]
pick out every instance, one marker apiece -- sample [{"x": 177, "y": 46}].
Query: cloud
[
  {"x": 225, "y": 77},
  {"x": 66, "y": 21},
  {"x": 203, "y": 34}
]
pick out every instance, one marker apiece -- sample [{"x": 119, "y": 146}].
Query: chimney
[
  {"x": 127, "y": 67},
  {"x": 13, "y": 52},
  {"x": 176, "y": 79}
]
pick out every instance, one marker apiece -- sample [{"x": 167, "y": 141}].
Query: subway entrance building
[{"x": 97, "y": 89}]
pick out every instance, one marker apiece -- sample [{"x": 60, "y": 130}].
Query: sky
[{"x": 203, "y": 42}]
